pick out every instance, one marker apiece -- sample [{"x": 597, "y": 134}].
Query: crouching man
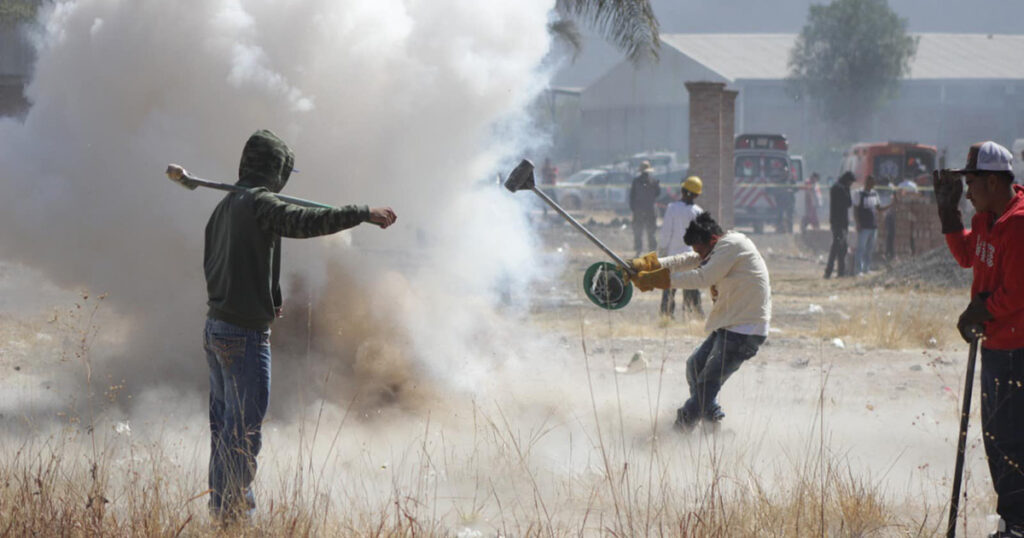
[
  {"x": 993, "y": 249},
  {"x": 730, "y": 265}
]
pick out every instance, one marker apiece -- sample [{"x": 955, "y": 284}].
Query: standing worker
[
  {"x": 839, "y": 202},
  {"x": 992, "y": 247},
  {"x": 678, "y": 217},
  {"x": 812, "y": 201},
  {"x": 866, "y": 208},
  {"x": 642, "y": 194},
  {"x": 242, "y": 261},
  {"x": 731, "y": 266}
]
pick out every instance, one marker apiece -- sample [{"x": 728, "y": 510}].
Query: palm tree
[{"x": 630, "y": 25}]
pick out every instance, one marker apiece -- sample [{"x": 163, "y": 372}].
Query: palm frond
[
  {"x": 628, "y": 24},
  {"x": 566, "y": 31}
]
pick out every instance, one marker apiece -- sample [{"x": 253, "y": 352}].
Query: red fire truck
[{"x": 763, "y": 178}]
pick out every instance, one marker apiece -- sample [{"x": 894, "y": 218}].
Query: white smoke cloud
[{"x": 385, "y": 102}]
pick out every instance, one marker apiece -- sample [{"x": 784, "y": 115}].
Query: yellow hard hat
[{"x": 693, "y": 184}]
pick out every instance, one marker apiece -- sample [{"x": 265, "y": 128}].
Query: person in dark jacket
[
  {"x": 242, "y": 262},
  {"x": 839, "y": 202},
  {"x": 642, "y": 195}
]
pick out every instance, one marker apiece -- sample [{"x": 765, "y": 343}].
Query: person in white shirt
[
  {"x": 731, "y": 266},
  {"x": 866, "y": 208},
  {"x": 678, "y": 216}
]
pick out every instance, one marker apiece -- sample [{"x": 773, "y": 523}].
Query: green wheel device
[{"x": 606, "y": 286}]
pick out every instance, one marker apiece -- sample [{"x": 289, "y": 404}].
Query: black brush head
[{"x": 521, "y": 177}]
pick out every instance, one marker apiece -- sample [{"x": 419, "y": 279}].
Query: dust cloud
[{"x": 394, "y": 103}]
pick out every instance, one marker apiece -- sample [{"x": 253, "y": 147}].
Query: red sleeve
[
  {"x": 1009, "y": 296},
  {"x": 960, "y": 245}
]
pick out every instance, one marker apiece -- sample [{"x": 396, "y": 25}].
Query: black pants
[
  {"x": 838, "y": 252},
  {"x": 644, "y": 221},
  {"x": 710, "y": 366},
  {"x": 1002, "y": 413},
  {"x": 890, "y": 236},
  {"x": 691, "y": 302}
]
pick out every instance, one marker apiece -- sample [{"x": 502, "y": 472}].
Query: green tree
[
  {"x": 850, "y": 57},
  {"x": 17, "y": 11},
  {"x": 630, "y": 25}
]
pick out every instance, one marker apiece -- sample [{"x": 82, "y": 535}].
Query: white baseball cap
[{"x": 987, "y": 157}]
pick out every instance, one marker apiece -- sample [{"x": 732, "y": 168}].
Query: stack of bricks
[
  {"x": 712, "y": 133},
  {"x": 917, "y": 228}
]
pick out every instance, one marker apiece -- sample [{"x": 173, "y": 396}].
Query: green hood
[{"x": 266, "y": 162}]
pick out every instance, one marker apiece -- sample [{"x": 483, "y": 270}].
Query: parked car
[
  {"x": 662, "y": 161},
  {"x": 670, "y": 185},
  {"x": 595, "y": 189}
]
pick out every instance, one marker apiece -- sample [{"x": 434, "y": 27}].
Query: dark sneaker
[
  {"x": 684, "y": 421},
  {"x": 715, "y": 414}
]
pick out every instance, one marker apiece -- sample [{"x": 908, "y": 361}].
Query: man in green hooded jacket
[{"x": 242, "y": 262}]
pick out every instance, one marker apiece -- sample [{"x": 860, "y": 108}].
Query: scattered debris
[
  {"x": 636, "y": 364},
  {"x": 935, "y": 268},
  {"x": 123, "y": 428},
  {"x": 815, "y": 309}
]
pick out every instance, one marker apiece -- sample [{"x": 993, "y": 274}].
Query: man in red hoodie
[{"x": 994, "y": 248}]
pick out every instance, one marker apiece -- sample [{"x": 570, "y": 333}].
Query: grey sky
[{"x": 749, "y": 16}]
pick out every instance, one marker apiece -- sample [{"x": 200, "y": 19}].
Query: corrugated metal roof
[{"x": 939, "y": 56}]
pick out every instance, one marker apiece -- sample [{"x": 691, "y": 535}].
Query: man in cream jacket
[{"x": 731, "y": 266}]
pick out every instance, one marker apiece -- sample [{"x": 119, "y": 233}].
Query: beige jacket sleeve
[
  {"x": 689, "y": 274},
  {"x": 681, "y": 262}
]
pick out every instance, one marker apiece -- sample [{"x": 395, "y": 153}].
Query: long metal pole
[
  {"x": 622, "y": 263},
  {"x": 961, "y": 443},
  {"x": 200, "y": 182}
]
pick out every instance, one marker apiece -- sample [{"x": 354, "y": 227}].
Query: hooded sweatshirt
[
  {"x": 737, "y": 276},
  {"x": 242, "y": 257},
  {"x": 993, "y": 248}
]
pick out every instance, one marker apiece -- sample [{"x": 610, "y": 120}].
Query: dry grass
[
  {"x": 891, "y": 320},
  {"x": 498, "y": 474},
  {"x": 50, "y": 490}
]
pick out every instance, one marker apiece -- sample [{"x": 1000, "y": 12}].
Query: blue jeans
[
  {"x": 239, "y": 361},
  {"x": 710, "y": 365},
  {"x": 865, "y": 246},
  {"x": 1002, "y": 413}
]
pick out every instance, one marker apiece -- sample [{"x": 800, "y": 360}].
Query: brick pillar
[
  {"x": 727, "y": 170},
  {"x": 712, "y": 116}
]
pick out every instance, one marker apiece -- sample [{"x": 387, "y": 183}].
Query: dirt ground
[
  {"x": 874, "y": 361},
  {"x": 863, "y": 373}
]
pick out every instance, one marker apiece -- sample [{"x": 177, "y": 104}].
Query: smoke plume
[{"x": 407, "y": 104}]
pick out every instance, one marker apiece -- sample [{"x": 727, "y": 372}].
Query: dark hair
[
  {"x": 701, "y": 230},
  {"x": 1004, "y": 174},
  {"x": 847, "y": 177}
]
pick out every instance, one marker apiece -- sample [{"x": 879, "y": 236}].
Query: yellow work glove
[
  {"x": 647, "y": 262},
  {"x": 648, "y": 280}
]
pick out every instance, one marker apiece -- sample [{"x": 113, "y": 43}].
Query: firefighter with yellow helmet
[{"x": 678, "y": 216}]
